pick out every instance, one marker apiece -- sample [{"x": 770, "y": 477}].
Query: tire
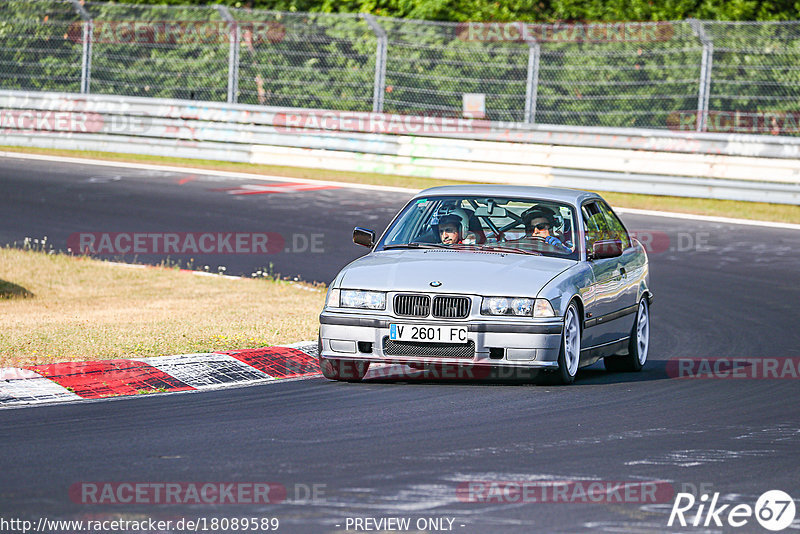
[
  {"x": 570, "y": 353},
  {"x": 343, "y": 370},
  {"x": 638, "y": 345}
]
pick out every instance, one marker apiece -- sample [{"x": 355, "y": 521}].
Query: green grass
[
  {"x": 697, "y": 206},
  {"x": 85, "y": 309}
]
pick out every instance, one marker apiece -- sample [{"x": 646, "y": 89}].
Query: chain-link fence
[
  {"x": 35, "y": 51},
  {"x": 687, "y": 75},
  {"x": 150, "y": 59}
]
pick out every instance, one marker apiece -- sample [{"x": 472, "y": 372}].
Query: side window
[
  {"x": 594, "y": 224},
  {"x": 615, "y": 225}
]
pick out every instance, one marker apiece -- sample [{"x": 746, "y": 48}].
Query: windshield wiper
[
  {"x": 416, "y": 245},
  {"x": 462, "y": 246},
  {"x": 495, "y": 248}
]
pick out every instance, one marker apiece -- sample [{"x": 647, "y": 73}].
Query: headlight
[
  {"x": 516, "y": 306},
  {"x": 371, "y": 300},
  {"x": 507, "y": 306},
  {"x": 522, "y": 306},
  {"x": 495, "y": 306}
]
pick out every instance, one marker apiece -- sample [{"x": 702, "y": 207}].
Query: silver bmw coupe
[{"x": 492, "y": 277}]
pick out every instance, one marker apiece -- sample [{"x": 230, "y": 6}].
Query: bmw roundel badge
[{"x": 436, "y": 283}]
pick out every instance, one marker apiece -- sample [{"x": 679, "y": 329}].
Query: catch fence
[{"x": 692, "y": 75}]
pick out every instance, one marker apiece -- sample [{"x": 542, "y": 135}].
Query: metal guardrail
[
  {"x": 756, "y": 168},
  {"x": 217, "y": 112}
]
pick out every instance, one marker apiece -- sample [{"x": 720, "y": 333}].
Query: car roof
[{"x": 569, "y": 196}]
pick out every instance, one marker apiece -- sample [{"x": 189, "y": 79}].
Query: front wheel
[
  {"x": 570, "y": 353},
  {"x": 638, "y": 345},
  {"x": 344, "y": 370}
]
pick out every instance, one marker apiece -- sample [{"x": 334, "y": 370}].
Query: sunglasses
[{"x": 540, "y": 226}]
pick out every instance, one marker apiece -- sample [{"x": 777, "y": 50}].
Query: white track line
[
  {"x": 709, "y": 218},
  {"x": 208, "y": 172},
  {"x": 229, "y": 174}
]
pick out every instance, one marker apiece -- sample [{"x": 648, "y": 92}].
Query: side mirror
[
  {"x": 610, "y": 248},
  {"x": 364, "y": 237}
]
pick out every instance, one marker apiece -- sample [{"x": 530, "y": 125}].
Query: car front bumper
[{"x": 496, "y": 342}]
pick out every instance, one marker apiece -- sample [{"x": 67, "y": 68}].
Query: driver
[{"x": 539, "y": 222}]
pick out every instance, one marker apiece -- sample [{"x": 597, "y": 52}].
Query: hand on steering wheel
[{"x": 555, "y": 242}]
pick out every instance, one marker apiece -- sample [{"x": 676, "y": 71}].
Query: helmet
[
  {"x": 540, "y": 212},
  {"x": 456, "y": 215}
]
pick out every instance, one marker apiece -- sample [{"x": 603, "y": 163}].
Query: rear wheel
[
  {"x": 638, "y": 345},
  {"x": 570, "y": 353},
  {"x": 344, "y": 370}
]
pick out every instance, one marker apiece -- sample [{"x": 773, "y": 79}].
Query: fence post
[
  {"x": 532, "y": 81},
  {"x": 380, "y": 62},
  {"x": 233, "y": 54},
  {"x": 706, "y": 63},
  {"x": 88, "y": 37}
]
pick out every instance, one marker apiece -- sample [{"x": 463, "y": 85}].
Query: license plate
[{"x": 428, "y": 333}]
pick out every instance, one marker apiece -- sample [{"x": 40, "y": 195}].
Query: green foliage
[
  {"x": 306, "y": 60},
  {"x": 36, "y": 51},
  {"x": 531, "y": 10},
  {"x": 153, "y": 64}
]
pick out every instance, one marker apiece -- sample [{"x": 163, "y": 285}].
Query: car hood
[{"x": 459, "y": 271}]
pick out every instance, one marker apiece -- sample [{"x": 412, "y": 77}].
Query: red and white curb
[{"x": 74, "y": 381}]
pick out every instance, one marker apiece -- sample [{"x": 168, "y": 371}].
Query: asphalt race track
[
  {"x": 58, "y": 200},
  {"x": 411, "y": 449}
]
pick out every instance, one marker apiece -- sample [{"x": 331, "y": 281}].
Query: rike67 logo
[{"x": 774, "y": 510}]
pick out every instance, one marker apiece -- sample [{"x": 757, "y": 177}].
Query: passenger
[{"x": 453, "y": 229}]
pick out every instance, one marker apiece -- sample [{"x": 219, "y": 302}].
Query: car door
[
  {"x": 631, "y": 268},
  {"x": 599, "y": 326}
]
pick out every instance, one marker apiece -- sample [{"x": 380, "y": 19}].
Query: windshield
[{"x": 523, "y": 226}]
